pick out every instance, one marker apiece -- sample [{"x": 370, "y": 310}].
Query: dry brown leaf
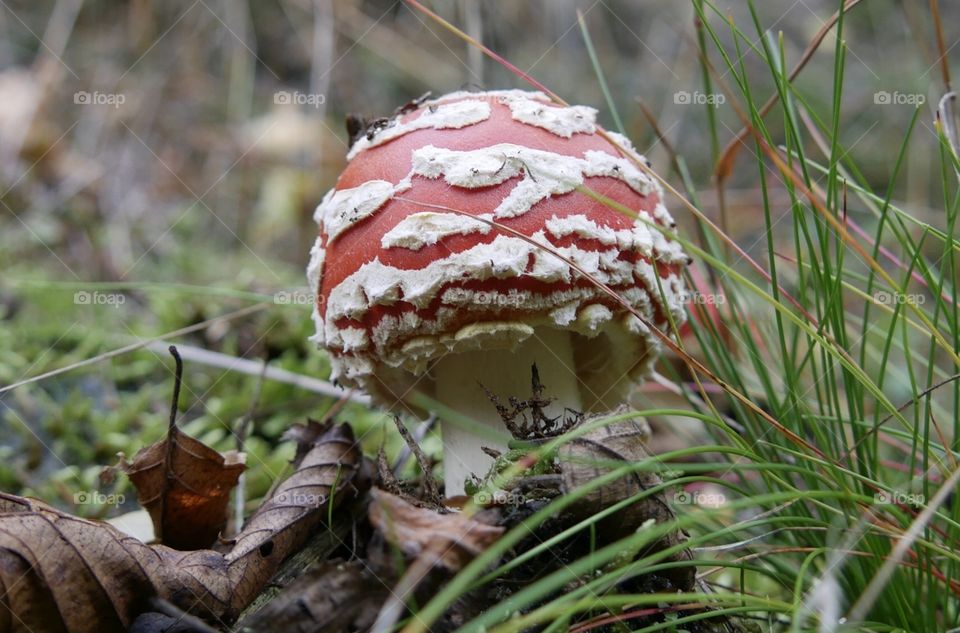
[
  {"x": 59, "y": 572},
  {"x": 184, "y": 484},
  {"x": 447, "y": 541},
  {"x": 304, "y": 435},
  {"x": 333, "y": 596},
  {"x": 455, "y": 538},
  {"x": 607, "y": 448}
]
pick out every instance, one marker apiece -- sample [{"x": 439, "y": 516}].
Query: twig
[
  {"x": 388, "y": 480},
  {"x": 153, "y": 343},
  {"x": 429, "y": 484},
  {"x": 177, "y": 381},
  {"x": 171, "y": 439},
  {"x": 253, "y": 368},
  {"x": 419, "y": 433}
]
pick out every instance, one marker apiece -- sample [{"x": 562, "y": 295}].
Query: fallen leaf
[
  {"x": 333, "y": 596},
  {"x": 304, "y": 435},
  {"x": 61, "y": 573},
  {"x": 608, "y": 448},
  {"x": 432, "y": 539},
  {"x": 604, "y": 449},
  {"x": 184, "y": 484},
  {"x": 455, "y": 538}
]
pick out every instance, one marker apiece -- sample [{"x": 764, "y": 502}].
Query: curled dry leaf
[
  {"x": 334, "y": 596},
  {"x": 183, "y": 483},
  {"x": 305, "y": 436},
  {"x": 608, "y": 448},
  {"x": 185, "y": 486},
  {"x": 433, "y": 540},
  {"x": 62, "y": 573},
  {"x": 454, "y": 538}
]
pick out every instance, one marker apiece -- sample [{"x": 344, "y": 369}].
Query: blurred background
[{"x": 160, "y": 163}]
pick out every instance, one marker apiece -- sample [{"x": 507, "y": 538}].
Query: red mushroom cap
[{"x": 401, "y": 281}]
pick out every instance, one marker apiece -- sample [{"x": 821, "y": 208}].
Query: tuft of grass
[{"x": 834, "y": 443}]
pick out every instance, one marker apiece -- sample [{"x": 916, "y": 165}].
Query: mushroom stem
[{"x": 505, "y": 373}]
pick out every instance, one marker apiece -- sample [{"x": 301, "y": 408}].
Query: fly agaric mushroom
[{"x": 413, "y": 293}]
